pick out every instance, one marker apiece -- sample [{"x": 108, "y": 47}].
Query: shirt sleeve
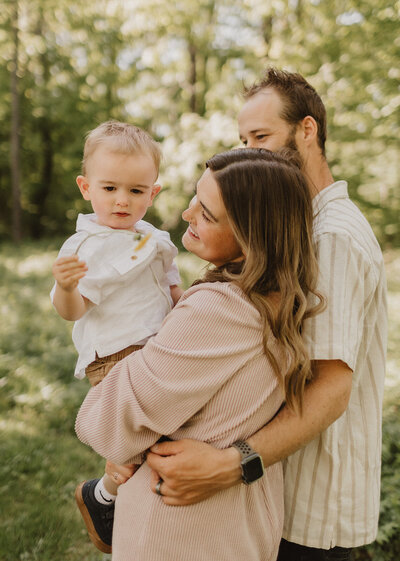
[
  {"x": 346, "y": 282},
  {"x": 173, "y": 275},
  {"x": 204, "y": 340}
]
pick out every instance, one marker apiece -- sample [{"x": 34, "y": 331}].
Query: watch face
[{"x": 252, "y": 468}]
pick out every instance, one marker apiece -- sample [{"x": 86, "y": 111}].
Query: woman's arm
[
  {"x": 210, "y": 334},
  {"x": 193, "y": 471}
]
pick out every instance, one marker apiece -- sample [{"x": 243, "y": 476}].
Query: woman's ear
[{"x": 83, "y": 185}]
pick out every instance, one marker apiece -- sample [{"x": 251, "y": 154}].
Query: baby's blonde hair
[{"x": 122, "y": 138}]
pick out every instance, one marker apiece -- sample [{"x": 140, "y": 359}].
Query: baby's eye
[
  {"x": 136, "y": 191},
  {"x": 109, "y": 188}
]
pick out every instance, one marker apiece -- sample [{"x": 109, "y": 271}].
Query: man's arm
[
  {"x": 193, "y": 471},
  {"x": 325, "y": 400}
]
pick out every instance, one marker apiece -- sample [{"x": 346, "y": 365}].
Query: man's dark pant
[{"x": 289, "y": 551}]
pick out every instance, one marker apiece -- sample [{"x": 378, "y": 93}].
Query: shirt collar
[
  {"x": 87, "y": 222},
  {"x": 337, "y": 190}
]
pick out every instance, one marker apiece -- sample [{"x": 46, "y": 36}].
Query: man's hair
[
  {"x": 269, "y": 209},
  {"x": 299, "y": 99},
  {"x": 122, "y": 138}
]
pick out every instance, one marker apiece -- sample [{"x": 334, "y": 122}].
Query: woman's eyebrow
[
  {"x": 208, "y": 212},
  {"x": 203, "y": 205}
]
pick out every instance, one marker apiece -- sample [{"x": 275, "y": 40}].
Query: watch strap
[{"x": 244, "y": 449}]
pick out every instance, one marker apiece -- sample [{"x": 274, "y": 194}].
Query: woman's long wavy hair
[{"x": 270, "y": 212}]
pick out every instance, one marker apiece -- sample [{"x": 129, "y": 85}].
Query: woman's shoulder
[
  {"x": 216, "y": 298},
  {"x": 226, "y": 289}
]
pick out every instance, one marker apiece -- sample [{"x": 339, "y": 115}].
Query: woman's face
[{"x": 209, "y": 234}]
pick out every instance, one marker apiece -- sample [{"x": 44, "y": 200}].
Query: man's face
[{"x": 260, "y": 124}]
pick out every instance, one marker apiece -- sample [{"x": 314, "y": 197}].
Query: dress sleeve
[
  {"x": 207, "y": 337},
  {"x": 347, "y": 282}
]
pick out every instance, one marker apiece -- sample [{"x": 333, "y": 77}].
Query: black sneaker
[{"x": 98, "y": 518}]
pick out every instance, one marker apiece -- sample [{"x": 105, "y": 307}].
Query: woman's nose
[{"x": 188, "y": 214}]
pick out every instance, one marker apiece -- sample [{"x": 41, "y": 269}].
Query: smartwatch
[{"x": 251, "y": 464}]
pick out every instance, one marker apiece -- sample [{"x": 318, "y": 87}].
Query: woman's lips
[{"x": 193, "y": 233}]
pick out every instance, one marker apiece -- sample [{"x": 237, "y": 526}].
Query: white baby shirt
[{"x": 131, "y": 296}]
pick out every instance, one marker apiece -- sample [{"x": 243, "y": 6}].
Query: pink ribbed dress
[{"x": 204, "y": 376}]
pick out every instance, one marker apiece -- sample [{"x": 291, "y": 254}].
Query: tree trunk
[
  {"x": 41, "y": 192},
  {"x": 15, "y": 146},
  {"x": 192, "y": 77}
]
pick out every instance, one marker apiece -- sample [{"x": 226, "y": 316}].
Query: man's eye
[{"x": 261, "y": 136}]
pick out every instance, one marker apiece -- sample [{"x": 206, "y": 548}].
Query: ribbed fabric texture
[
  {"x": 204, "y": 376},
  {"x": 332, "y": 486}
]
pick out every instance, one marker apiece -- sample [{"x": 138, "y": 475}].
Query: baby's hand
[
  {"x": 68, "y": 271},
  {"x": 119, "y": 473}
]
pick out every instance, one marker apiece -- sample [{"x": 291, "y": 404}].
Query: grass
[{"x": 42, "y": 460}]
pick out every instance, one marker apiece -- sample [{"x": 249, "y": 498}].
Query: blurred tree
[
  {"x": 178, "y": 70},
  {"x": 15, "y": 119}
]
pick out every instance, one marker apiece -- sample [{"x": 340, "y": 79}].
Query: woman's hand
[
  {"x": 124, "y": 472},
  {"x": 192, "y": 471}
]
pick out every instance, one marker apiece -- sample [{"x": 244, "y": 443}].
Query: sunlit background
[{"x": 176, "y": 69}]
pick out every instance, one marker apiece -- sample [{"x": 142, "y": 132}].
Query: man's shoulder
[{"x": 342, "y": 220}]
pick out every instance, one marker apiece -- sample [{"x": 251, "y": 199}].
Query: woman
[{"x": 220, "y": 367}]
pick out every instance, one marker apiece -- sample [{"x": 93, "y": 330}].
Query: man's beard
[
  {"x": 291, "y": 144},
  {"x": 291, "y": 140}
]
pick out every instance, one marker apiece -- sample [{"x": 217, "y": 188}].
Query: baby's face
[{"x": 119, "y": 186}]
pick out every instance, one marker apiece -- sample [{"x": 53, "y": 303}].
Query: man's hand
[
  {"x": 192, "y": 471},
  {"x": 68, "y": 271}
]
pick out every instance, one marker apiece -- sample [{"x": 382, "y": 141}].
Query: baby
[{"x": 115, "y": 277}]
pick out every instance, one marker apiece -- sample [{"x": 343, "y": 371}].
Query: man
[{"x": 332, "y": 451}]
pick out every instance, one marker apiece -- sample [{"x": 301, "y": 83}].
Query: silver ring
[{"x": 158, "y": 487}]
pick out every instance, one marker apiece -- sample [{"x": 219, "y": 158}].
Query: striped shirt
[{"x": 332, "y": 485}]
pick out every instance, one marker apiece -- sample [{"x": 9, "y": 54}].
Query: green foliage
[
  {"x": 177, "y": 69},
  {"x": 387, "y": 545},
  {"x": 42, "y": 460}
]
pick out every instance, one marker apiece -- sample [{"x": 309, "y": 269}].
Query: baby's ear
[
  {"x": 83, "y": 185},
  {"x": 155, "y": 190}
]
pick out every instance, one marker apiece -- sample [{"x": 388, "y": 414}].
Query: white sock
[{"x": 102, "y": 495}]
